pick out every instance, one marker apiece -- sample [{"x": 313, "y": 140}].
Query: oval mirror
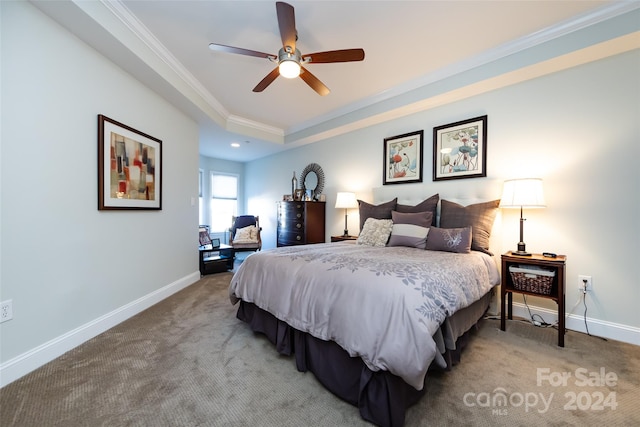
[{"x": 311, "y": 181}]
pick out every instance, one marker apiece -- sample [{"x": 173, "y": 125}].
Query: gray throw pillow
[
  {"x": 427, "y": 205},
  {"x": 381, "y": 211},
  {"x": 456, "y": 240},
  {"x": 479, "y": 216}
]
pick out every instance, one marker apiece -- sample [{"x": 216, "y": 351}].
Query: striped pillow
[{"x": 410, "y": 229}]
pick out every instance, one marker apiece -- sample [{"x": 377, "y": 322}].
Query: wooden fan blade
[
  {"x": 230, "y": 49},
  {"x": 313, "y": 81},
  {"x": 345, "y": 55},
  {"x": 267, "y": 80},
  {"x": 287, "y": 24}
]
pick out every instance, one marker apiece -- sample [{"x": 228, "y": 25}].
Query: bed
[{"x": 369, "y": 320}]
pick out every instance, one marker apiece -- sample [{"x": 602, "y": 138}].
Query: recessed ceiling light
[{"x": 235, "y": 144}]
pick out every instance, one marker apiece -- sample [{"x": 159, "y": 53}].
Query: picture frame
[
  {"x": 460, "y": 149},
  {"x": 299, "y": 195},
  {"x": 402, "y": 160},
  {"x": 129, "y": 167},
  {"x": 203, "y": 236}
]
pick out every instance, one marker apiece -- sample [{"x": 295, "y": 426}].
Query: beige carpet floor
[{"x": 188, "y": 361}]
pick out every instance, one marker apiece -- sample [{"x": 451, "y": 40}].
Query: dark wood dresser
[{"x": 300, "y": 223}]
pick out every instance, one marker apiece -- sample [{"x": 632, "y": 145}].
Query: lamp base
[
  {"x": 522, "y": 248},
  {"x": 346, "y": 233}
]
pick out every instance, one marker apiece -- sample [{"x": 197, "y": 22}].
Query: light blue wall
[
  {"x": 577, "y": 129},
  {"x": 64, "y": 264}
]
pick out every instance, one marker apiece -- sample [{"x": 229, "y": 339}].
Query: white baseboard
[
  {"x": 21, "y": 365},
  {"x": 576, "y": 322}
]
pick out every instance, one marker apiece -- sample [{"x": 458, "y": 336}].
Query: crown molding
[
  {"x": 139, "y": 30},
  {"x": 237, "y": 123}
]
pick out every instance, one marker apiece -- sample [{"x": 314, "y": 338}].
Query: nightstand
[
  {"x": 343, "y": 238},
  {"x": 216, "y": 260},
  {"x": 507, "y": 289}
]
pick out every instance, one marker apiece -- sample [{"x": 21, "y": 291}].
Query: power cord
[
  {"x": 584, "y": 315},
  {"x": 515, "y": 319},
  {"x": 540, "y": 323},
  {"x": 532, "y": 318},
  {"x": 543, "y": 324},
  {"x": 584, "y": 301}
]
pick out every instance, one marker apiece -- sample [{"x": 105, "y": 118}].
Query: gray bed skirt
[{"x": 381, "y": 397}]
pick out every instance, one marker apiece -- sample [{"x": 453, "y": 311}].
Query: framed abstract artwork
[
  {"x": 460, "y": 149},
  {"x": 129, "y": 167},
  {"x": 403, "y": 158}
]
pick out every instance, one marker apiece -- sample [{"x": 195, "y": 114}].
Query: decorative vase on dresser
[{"x": 300, "y": 223}]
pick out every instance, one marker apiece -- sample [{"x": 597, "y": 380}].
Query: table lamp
[
  {"x": 522, "y": 193},
  {"x": 346, "y": 201}
]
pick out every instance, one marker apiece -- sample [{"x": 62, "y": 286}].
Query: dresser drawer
[
  {"x": 292, "y": 212},
  {"x": 291, "y": 226},
  {"x": 290, "y": 238}
]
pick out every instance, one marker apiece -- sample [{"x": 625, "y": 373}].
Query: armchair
[{"x": 244, "y": 237}]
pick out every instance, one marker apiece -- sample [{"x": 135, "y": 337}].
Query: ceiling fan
[{"x": 289, "y": 58}]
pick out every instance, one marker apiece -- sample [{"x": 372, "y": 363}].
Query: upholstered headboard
[{"x": 463, "y": 195}]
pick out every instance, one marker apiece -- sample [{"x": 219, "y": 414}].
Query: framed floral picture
[
  {"x": 460, "y": 149},
  {"x": 403, "y": 158},
  {"x": 129, "y": 167}
]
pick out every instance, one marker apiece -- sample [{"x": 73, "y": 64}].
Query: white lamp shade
[
  {"x": 522, "y": 193},
  {"x": 346, "y": 201}
]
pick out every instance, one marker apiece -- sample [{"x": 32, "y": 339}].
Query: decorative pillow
[
  {"x": 410, "y": 229},
  {"x": 375, "y": 232},
  {"x": 428, "y": 205},
  {"x": 450, "y": 239},
  {"x": 381, "y": 211},
  {"x": 479, "y": 216},
  {"x": 247, "y": 234}
]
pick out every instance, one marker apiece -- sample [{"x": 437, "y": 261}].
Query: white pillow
[
  {"x": 375, "y": 232},
  {"x": 247, "y": 234}
]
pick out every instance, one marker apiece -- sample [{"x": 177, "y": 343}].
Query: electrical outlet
[
  {"x": 6, "y": 310},
  {"x": 584, "y": 283}
]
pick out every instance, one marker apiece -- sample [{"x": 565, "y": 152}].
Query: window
[{"x": 224, "y": 200}]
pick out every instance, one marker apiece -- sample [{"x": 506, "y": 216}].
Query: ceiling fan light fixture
[
  {"x": 289, "y": 69},
  {"x": 289, "y": 58}
]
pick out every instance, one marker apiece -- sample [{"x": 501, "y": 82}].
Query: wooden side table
[
  {"x": 343, "y": 238},
  {"x": 507, "y": 288}
]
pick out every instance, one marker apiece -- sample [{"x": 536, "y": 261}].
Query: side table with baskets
[{"x": 533, "y": 275}]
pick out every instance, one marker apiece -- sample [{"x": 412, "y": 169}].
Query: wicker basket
[{"x": 530, "y": 279}]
